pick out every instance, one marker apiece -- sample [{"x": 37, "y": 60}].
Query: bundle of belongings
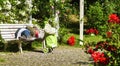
[
  {"x": 32, "y": 33},
  {"x": 29, "y": 33},
  {"x": 51, "y": 38}
]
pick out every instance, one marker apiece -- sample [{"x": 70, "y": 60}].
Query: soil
[{"x": 61, "y": 56}]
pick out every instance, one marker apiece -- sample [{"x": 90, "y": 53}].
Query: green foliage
[
  {"x": 36, "y": 44},
  {"x": 97, "y": 14}
]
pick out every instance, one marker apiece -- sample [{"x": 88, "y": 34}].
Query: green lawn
[{"x": 86, "y": 39}]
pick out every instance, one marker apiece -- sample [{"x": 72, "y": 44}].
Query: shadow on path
[{"x": 84, "y": 63}]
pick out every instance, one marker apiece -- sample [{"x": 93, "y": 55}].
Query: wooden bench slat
[
  {"x": 15, "y": 24},
  {"x": 8, "y": 36},
  {"x": 7, "y": 31},
  {"x": 12, "y": 26}
]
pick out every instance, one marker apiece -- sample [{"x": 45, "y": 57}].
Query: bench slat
[
  {"x": 7, "y": 31},
  {"x": 12, "y": 26},
  {"x": 15, "y": 24},
  {"x": 8, "y": 36},
  {"x": 12, "y": 32}
]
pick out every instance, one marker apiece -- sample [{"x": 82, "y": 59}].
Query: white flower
[
  {"x": 29, "y": 3},
  {"x": 12, "y": 18},
  {"x": 11, "y": 21},
  {"x": 17, "y": 2},
  {"x": 6, "y": 13},
  {"x": 0, "y": 8},
  {"x": 22, "y": 13},
  {"x": 7, "y": 5},
  {"x": 16, "y": 21}
]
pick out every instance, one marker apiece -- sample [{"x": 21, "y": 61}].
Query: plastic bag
[
  {"x": 51, "y": 41},
  {"x": 50, "y": 30}
]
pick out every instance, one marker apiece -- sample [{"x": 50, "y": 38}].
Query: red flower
[
  {"x": 100, "y": 57},
  {"x": 71, "y": 41},
  {"x": 113, "y": 18},
  {"x": 96, "y": 31},
  {"x": 90, "y": 50},
  {"x": 109, "y": 34},
  {"x": 96, "y": 56},
  {"x": 92, "y": 31},
  {"x": 104, "y": 60}
]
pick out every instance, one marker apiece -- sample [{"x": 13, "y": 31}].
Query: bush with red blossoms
[
  {"x": 113, "y": 37},
  {"x": 109, "y": 49},
  {"x": 71, "y": 40},
  {"x": 104, "y": 53},
  {"x": 98, "y": 57},
  {"x": 91, "y": 31}
]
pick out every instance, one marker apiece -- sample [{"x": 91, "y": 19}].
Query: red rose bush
[
  {"x": 91, "y": 31},
  {"x": 71, "y": 40}
]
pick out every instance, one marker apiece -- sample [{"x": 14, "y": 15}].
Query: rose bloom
[
  {"x": 113, "y": 17},
  {"x": 71, "y": 41},
  {"x": 96, "y": 56},
  {"x": 90, "y": 50},
  {"x": 100, "y": 57},
  {"x": 92, "y": 31}
]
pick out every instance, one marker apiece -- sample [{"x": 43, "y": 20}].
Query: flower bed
[{"x": 107, "y": 53}]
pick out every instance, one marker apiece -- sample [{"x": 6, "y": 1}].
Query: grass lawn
[{"x": 86, "y": 39}]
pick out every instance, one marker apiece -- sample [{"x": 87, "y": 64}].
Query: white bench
[{"x": 7, "y": 32}]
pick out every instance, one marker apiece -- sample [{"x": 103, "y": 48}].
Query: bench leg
[
  {"x": 43, "y": 44},
  {"x": 20, "y": 47}
]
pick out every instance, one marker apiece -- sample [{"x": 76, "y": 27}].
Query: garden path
[{"x": 61, "y": 56}]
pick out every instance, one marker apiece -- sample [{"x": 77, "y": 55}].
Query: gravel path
[{"x": 61, "y": 56}]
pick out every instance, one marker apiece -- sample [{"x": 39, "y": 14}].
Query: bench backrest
[{"x": 7, "y": 31}]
